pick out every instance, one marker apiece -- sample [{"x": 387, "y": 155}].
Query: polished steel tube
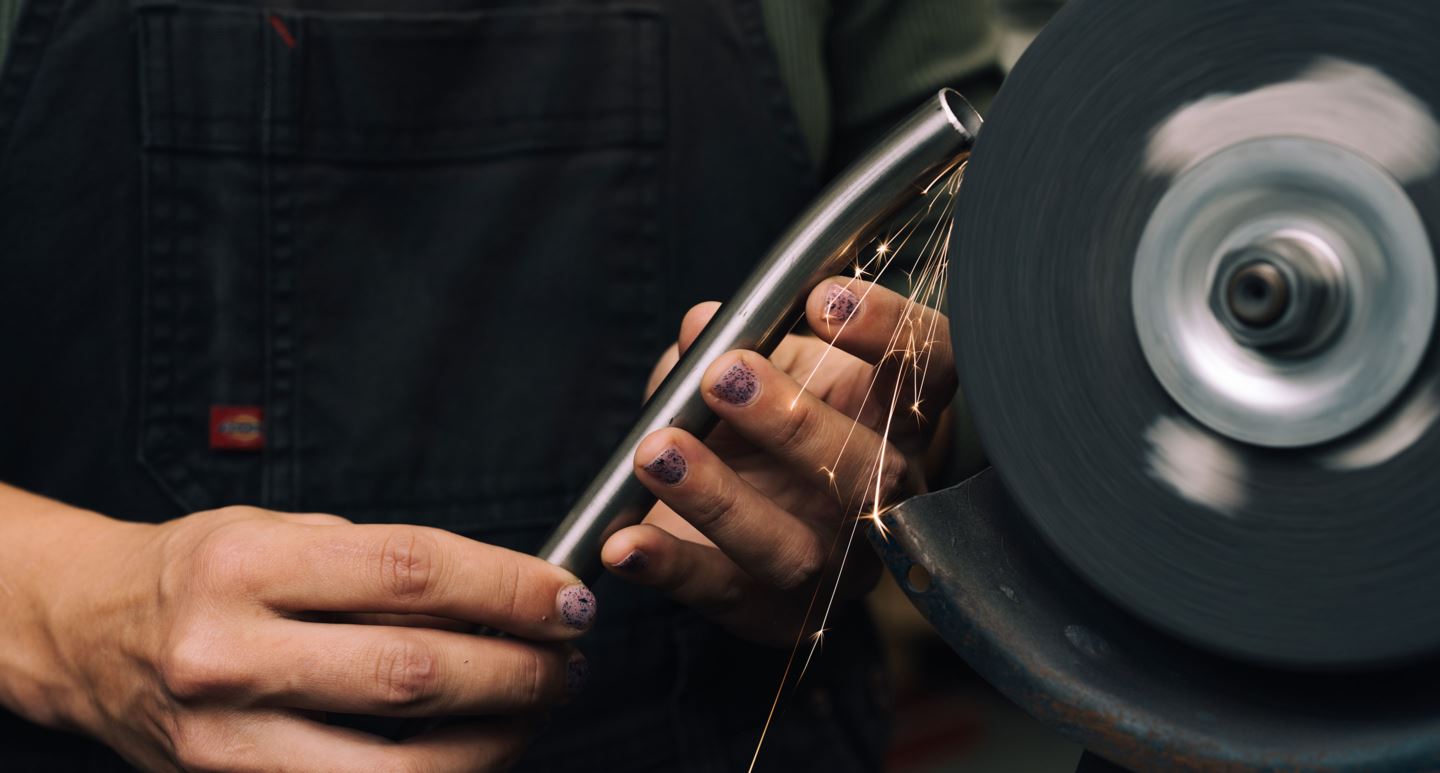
[{"x": 819, "y": 244}]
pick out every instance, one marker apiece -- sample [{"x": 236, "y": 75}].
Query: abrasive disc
[{"x": 1278, "y": 502}]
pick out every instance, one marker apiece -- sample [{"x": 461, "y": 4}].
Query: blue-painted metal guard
[{"x": 1074, "y": 660}]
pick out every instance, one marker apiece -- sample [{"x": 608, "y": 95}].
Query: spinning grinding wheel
[{"x": 1193, "y": 297}]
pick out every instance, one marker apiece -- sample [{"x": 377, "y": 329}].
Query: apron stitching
[
  {"x": 298, "y": 27},
  {"x": 161, "y": 422},
  {"x": 268, "y": 485},
  {"x": 281, "y": 395}
]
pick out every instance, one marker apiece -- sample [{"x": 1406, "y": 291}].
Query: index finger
[
  {"x": 883, "y": 327},
  {"x": 422, "y": 570}
]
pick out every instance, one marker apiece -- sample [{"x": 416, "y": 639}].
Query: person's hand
[
  {"x": 755, "y": 519},
  {"x": 219, "y": 641}
]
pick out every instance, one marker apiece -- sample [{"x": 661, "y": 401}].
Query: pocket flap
[{"x": 380, "y": 86}]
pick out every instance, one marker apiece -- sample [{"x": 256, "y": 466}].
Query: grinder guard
[{"x": 1074, "y": 660}]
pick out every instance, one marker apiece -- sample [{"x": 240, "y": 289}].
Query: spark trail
[{"x": 907, "y": 356}]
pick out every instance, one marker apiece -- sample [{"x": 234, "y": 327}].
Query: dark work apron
[{"x": 404, "y": 261}]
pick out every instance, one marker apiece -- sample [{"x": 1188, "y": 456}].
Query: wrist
[{"x": 62, "y": 583}]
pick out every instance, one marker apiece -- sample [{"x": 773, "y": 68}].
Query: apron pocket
[{"x": 424, "y": 247}]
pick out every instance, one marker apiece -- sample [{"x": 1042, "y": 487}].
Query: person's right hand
[{"x": 229, "y": 634}]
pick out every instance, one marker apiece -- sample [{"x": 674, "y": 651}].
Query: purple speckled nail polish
[
  {"x": 634, "y": 562},
  {"x": 576, "y": 672},
  {"x": 840, "y": 303},
  {"x": 738, "y": 386},
  {"x": 577, "y": 606},
  {"x": 669, "y": 468}
]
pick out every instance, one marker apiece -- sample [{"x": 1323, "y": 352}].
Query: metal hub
[
  {"x": 1256, "y": 294},
  {"x": 1284, "y": 295},
  {"x": 1284, "y": 291}
]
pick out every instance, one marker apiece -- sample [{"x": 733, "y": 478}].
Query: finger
[
  {"x": 881, "y": 326},
  {"x": 762, "y": 538},
  {"x": 690, "y": 327},
  {"x": 388, "y": 671},
  {"x": 493, "y": 745},
  {"x": 702, "y": 577},
  {"x": 315, "y": 519},
  {"x": 661, "y": 370},
  {"x": 420, "y": 570},
  {"x": 700, "y": 315},
  {"x": 281, "y": 741},
  {"x": 382, "y": 618},
  {"x": 768, "y": 408},
  {"x": 692, "y": 574},
  {"x": 694, "y": 322}
]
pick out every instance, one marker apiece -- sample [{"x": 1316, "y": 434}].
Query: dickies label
[{"x": 237, "y": 427}]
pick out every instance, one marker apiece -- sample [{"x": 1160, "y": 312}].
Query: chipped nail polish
[
  {"x": 577, "y": 671},
  {"x": 669, "y": 468},
  {"x": 738, "y": 386},
  {"x": 840, "y": 303},
  {"x": 577, "y": 606},
  {"x": 634, "y": 562}
]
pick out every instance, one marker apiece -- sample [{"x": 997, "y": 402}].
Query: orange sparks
[{"x": 905, "y": 362}]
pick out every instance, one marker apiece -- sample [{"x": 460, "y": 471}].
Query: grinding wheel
[
  {"x": 1193, "y": 298},
  {"x": 1193, "y": 303}
]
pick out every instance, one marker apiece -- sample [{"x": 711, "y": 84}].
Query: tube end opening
[{"x": 961, "y": 114}]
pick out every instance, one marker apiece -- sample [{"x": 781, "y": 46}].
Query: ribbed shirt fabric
[{"x": 854, "y": 66}]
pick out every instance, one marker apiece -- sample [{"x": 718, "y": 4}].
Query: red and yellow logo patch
[{"x": 237, "y": 427}]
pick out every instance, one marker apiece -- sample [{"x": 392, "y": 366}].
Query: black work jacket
[{"x": 403, "y": 261}]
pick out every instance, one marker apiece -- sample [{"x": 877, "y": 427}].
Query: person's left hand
[{"x": 752, "y": 521}]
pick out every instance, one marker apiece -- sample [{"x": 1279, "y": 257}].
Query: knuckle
[
  {"x": 228, "y": 557},
  {"x": 193, "y": 749},
  {"x": 531, "y": 684},
  {"x": 798, "y": 427},
  {"x": 714, "y": 506},
  {"x": 804, "y": 566},
  {"x": 194, "y": 668},
  {"x": 507, "y": 588},
  {"x": 725, "y": 600},
  {"x": 237, "y": 512},
  {"x": 406, "y": 674},
  {"x": 407, "y": 564}
]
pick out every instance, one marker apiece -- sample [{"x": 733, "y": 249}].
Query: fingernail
[
  {"x": 576, "y": 672},
  {"x": 669, "y": 467},
  {"x": 634, "y": 562},
  {"x": 577, "y": 606},
  {"x": 738, "y": 386},
  {"x": 840, "y": 303}
]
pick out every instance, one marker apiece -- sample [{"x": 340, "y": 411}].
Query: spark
[
  {"x": 903, "y": 366},
  {"x": 877, "y": 523}
]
